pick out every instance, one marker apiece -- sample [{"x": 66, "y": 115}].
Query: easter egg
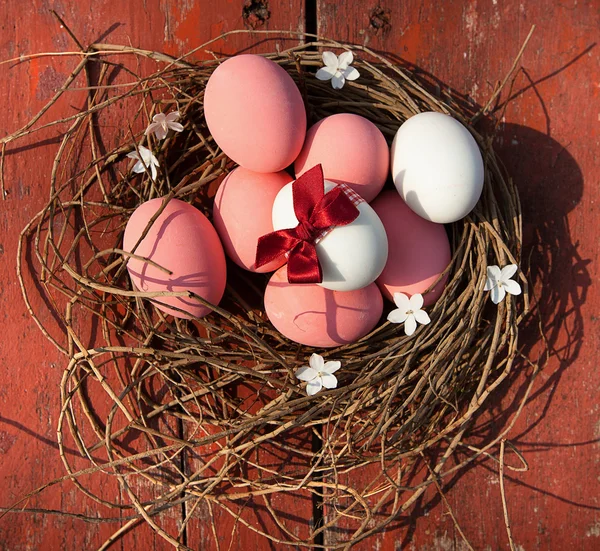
[
  {"x": 419, "y": 250},
  {"x": 311, "y": 315},
  {"x": 182, "y": 241},
  {"x": 437, "y": 167},
  {"x": 351, "y": 256},
  {"x": 242, "y": 213},
  {"x": 351, "y": 150},
  {"x": 255, "y": 113}
]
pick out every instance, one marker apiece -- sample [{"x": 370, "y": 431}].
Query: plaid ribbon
[
  {"x": 356, "y": 200},
  {"x": 317, "y": 213}
]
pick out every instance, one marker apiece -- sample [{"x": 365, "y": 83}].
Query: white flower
[
  {"x": 162, "y": 123},
  {"x": 499, "y": 282},
  {"x": 320, "y": 374},
  {"x": 145, "y": 159},
  {"x": 408, "y": 312},
  {"x": 337, "y": 68}
]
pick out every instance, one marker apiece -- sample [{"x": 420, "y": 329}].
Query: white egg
[
  {"x": 437, "y": 167},
  {"x": 351, "y": 256}
]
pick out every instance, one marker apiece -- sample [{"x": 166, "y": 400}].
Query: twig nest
[{"x": 227, "y": 379}]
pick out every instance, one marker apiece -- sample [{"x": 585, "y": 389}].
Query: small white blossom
[
  {"x": 338, "y": 69},
  {"x": 145, "y": 160},
  {"x": 162, "y": 123},
  {"x": 319, "y": 374},
  {"x": 499, "y": 282},
  {"x": 408, "y": 312}
]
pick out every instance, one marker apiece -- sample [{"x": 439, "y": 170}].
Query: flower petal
[
  {"x": 489, "y": 284},
  {"x": 422, "y": 317},
  {"x": 410, "y": 325},
  {"x": 133, "y": 155},
  {"x": 498, "y": 293},
  {"x": 316, "y": 362},
  {"x": 338, "y": 81},
  {"x": 416, "y": 302},
  {"x": 493, "y": 272},
  {"x": 153, "y": 171},
  {"x": 330, "y": 60},
  {"x": 143, "y": 152},
  {"x": 325, "y": 73},
  {"x": 312, "y": 387},
  {"x": 177, "y": 127},
  {"x": 306, "y": 373},
  {"x": 508, "y": 271},
  {"x": 328, "y": 380},
  {"x": 173, "y": 116},
  {"x": 402, "y": 301},
  {"x": 397, "y": 316},
  {"x": 152, "y": 128},
  {"x": 139, "y": 168},
  {"x": 344, "y": 59},
  {"x": 331, "y": 367},
  {"x": 351, "y": 73},
  {"x": 512, "y": 287},
  {"x": 160, "y": 132},
  {"x": 159, "y": 118}
]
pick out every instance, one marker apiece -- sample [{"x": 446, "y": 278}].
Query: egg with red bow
[{"x": 344, "y": 233}]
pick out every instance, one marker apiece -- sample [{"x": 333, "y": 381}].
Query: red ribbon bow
[{"x": 316, "y": 212}]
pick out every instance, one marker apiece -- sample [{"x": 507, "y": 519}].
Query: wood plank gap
[
  {"x": 317, "y": 500},
  {"x": 310, "y": 22},
  {"x": 310, "y": 28},
  {"x": 184, "y": 468}
]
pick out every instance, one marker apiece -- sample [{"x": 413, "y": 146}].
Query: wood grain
[
  {"x": 547, "y": 138},
  {"x": 31, "y": 367}
]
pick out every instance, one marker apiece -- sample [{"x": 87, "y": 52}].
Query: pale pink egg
[
  {"x": 242, "y": 213},
  {"x": 351, "y": 149},
  {"x": 315, "y": 316},
  {"x": 183, "y": 241},
  {"x": 419, "y": 250},
  {"x": 255, "y": 113}
]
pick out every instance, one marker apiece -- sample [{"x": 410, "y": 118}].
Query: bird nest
[{"x": 208, "y": 411}]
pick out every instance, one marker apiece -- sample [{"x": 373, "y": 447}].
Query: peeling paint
[
  {"x": 6, "y": 441},
  {"x": 49, "y": 83},
  {"x": 593, "y": 531},
  {"x": 255, "y": 13}
]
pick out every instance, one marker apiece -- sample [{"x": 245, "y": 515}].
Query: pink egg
[
  {"x": 242, "y": 213},
  {"x": 314, "y": 316},
  {"x": 351, "y": 149},
  {"x": 255, "y": 113},
  {"x": 183, "y": 241},
  {"x": 419, "y": 250}
]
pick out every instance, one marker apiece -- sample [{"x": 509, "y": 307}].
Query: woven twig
[{"x": 179, "y": 388}]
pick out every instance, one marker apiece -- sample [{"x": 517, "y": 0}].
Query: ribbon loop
[{"x": 316, "y": 212}]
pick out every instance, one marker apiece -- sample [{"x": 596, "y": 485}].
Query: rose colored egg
[
  {"x": 351, "y": 256},
  {"x": 314, "y": 316},
  {"x": 242, "y": 213},
  {"x": 183, "y": 241},
  {"x": 419, "y": 250},
  {"x": 255, "y": 113},
  {"x": 351, "y": 149}
]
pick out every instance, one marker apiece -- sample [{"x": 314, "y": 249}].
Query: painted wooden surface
[{"x": 549, "y": 138}]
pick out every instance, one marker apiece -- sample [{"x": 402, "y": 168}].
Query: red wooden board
[{"x": 549, "y": 141}]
